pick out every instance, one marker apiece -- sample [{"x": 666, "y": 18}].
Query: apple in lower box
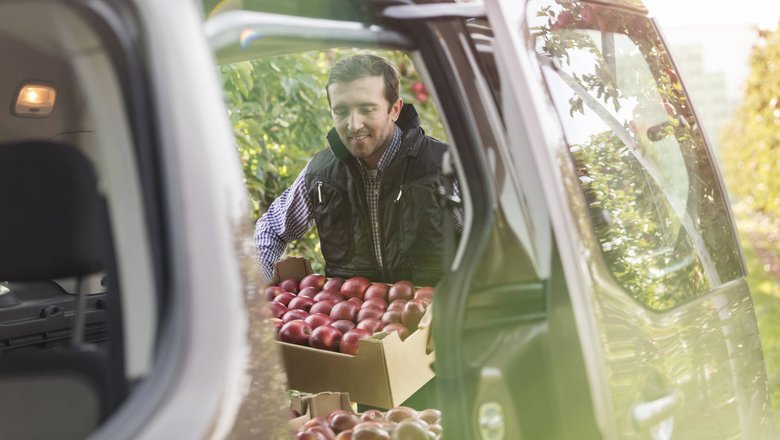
[
  {"x": 350, "y": 340},
  {"x": 325, "y": 338},
  {"x": 342, "y": 420},
  {"x": 295, "y": 332}
]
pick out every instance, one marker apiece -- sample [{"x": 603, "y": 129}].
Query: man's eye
[
  {"x": 366, "y": 110},
  {"x": 340, "y": 113}
]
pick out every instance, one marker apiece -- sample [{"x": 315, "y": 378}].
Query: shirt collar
[{"x": 388, "y": 155}]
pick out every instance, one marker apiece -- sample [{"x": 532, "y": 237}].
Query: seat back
[{"x": 55, "y": 224}]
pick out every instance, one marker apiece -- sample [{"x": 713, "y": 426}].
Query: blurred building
[{"x": 713, "y": 62}]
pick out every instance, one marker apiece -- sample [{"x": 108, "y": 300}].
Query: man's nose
[{"x": 355, "y": 122}]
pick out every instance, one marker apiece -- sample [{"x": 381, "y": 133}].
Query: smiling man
[{"x": 373, "y": 192}]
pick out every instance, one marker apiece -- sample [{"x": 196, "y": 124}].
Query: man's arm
[{"x": 287, "y": 219}]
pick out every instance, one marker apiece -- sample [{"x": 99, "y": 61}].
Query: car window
[{"x": 655, "y": 203}]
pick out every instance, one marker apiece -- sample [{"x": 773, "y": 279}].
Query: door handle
[{"x": 651, "y": 413}]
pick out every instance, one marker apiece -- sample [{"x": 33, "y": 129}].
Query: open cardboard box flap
[{"x": 316, "y": 405}]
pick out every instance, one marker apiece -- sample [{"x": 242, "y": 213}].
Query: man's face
[{"x": 363, "y": 118}]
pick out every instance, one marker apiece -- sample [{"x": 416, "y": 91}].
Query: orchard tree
[{"x": 751, "y": 144}]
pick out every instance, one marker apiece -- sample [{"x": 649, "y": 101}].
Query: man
[{"x": 373, "y": 192}]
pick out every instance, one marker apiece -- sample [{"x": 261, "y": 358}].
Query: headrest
[{"x": 53, "y": 221}]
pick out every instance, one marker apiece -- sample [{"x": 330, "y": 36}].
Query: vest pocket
[
  {"x": 421, "y": 224},
  {"x": 331, "y": 215}
]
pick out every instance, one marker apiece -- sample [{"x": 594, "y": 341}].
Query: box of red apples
[{"x": 370, "y": 340}]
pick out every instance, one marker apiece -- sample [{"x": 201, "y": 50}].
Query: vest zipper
[{"x": 400, "y": 193}]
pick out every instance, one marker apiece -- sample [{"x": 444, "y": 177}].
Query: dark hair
[{"x": 360, "y": 66}]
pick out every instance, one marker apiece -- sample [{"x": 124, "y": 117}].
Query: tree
[
  {"x": 280, "y": 116},
  {"x": 752, "y": 141}
]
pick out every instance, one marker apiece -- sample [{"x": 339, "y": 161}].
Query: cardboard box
[
  {"x": 384, "y": 373},
  {"x": 315, "y": 405}
]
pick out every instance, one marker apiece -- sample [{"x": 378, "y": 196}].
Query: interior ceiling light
[{"x": 35, "y": 100}]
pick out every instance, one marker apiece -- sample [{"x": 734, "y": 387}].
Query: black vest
[{"x": 410, "y": 218}]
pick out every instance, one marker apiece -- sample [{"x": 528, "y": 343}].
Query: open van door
[{"x": 640, "y": 218}]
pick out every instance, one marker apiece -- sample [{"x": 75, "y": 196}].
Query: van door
[{"x": 641, "y": 221}]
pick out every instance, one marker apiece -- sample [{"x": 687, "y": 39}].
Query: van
[{"x": 597, "y": 289}]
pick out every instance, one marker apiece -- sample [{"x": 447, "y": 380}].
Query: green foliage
[
  {"x": 752, "y": 142},
  {"x": 280, "y": 116}
]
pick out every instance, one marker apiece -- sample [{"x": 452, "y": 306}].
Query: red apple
[
  {"x": 403, "y": 332},
  {"x": 329, "y": 295},
  {"x": 289, "y": 285},
  {"x": 390, "y": 317},
  {"x": 355, "y": 287},
  {"x": 374, "y": 303},
  {"x": 309, "y": 292},
  {"x": 357, "y": 301},
  {"x": 272, "y": 291},
  {"x": 369, "y": 313},
  {"x": 342, "y": 420},
  {"x": 322, "y": 432},
  {"x": 333, "y": 284},
  {"x": 301, "y": 302},
  {"x": 343, "y": 325},
  {"x": 412, "y": 314},
  {"x": 397, "y": 305},
  {"x": 276, "y": 309},
  {"x": 318, "y": 319},
  {"x": 344, "y": 435},
  {"x": 322, "y": 307},
  {"x": 373, "y": 325},
  {"x": 294, "y": 314},
  {"x": 284, "y": 298},
  {"x": 308, "y": 435},
  {"x": 295, "y": 332},
  {"x": 377, "y": 290},
  {"x": 315, "y": 421},
  {"x": 372, "y": 415},
  {"x": 314, "y": 280},
  {"x": 349, "y": 342},
  {"x": 424, "y": 291},
  {"x": 401, "y": 290},
  {"x": 325, "y": 338},
  {"x": 344, "y": 310}
]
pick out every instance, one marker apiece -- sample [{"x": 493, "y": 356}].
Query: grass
[{"x": 762, "y": 255}]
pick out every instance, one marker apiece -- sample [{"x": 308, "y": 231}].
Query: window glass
[{"x": 654, "y": 200}]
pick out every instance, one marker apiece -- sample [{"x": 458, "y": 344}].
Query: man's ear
[{"x": 395, "y": 109}]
